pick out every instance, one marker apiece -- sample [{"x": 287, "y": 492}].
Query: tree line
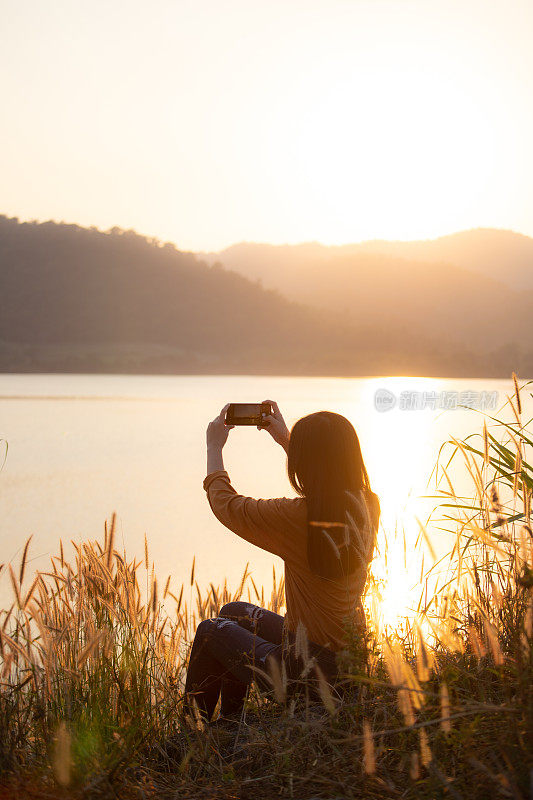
[{"x": 79, "y": 299}]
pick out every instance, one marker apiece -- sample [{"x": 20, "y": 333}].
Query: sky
[{"x": 216, "y": 121}]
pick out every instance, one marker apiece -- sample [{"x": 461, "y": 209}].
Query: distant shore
[{"x": 155, "y": 360}]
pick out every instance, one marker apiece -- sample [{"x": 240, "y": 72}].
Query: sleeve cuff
[{"x": 221, "y": 473}]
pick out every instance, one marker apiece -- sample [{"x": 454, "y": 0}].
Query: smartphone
[{"x": 247, "y": 413}]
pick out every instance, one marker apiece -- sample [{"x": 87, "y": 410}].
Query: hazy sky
[{"x": 214, "y": 121}]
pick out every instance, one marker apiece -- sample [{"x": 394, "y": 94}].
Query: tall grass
[{"x": 93, "y": 654}]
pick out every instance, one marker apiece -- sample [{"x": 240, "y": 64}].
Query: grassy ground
[{"x": 93, "y": 655}]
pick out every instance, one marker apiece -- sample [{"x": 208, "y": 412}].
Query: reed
[{"x": 93, "y": 656}]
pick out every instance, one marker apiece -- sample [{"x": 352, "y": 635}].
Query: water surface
[{"x": 83, "y": 446}]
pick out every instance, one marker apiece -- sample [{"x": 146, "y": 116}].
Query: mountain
[
  {"x": 79, "y": 299},
  {"x": 502, "y": 255},
  {"x": 407, "y": 283}
]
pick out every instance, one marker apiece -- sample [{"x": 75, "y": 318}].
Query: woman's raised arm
[
  {"x": 216, "y": 437},
  {"x": 275, "y": 525}
]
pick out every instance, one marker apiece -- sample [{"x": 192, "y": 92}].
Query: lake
[{"x": 83, "y": 446}]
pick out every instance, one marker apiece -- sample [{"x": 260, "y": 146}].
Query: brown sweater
[{"x": 280, "y": 527}]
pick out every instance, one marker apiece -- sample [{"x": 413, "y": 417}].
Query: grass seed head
[
  {"x": 23, "y": 560},
  {"x": 369, "y": 757},
  {"x": 445, "y": 708},
  {"x": 61, "y": 762},
  {"x": 426, "y": 755}
]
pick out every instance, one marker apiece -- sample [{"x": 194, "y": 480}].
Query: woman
[{"x": 325, "y": 536}]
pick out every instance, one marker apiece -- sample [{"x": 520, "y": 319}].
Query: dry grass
[{"x": 93, "y": 653}]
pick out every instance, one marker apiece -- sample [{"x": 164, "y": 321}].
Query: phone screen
[
  {"x": 247, "y": 413},
  {"x": 246, "y": 410}
]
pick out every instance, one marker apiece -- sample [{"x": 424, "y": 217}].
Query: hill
[
  {"x": 78, "y": 299},
  {"x": 414, "y": 284},
  {"x": 502, "y": 255}
]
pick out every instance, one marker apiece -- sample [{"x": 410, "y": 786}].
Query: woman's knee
[
  {"x": 237, "y": 609},
  {"x": 205, "y": 628},
  {"x": 211, "y": 628}
]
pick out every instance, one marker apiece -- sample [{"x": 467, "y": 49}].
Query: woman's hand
[
  {"x": 217, "y": 431},
  {"x": 275, "y": 425}
]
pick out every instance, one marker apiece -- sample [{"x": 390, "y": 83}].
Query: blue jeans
[{"x": 226, "y": 649}]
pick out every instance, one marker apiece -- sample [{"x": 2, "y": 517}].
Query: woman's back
[{"x": 280, "y": 526}]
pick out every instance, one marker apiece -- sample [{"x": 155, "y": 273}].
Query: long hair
[{"x": 326, "y": 466}]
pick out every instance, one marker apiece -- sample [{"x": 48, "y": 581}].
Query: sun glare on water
[{"x": 402, "y": 447}]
